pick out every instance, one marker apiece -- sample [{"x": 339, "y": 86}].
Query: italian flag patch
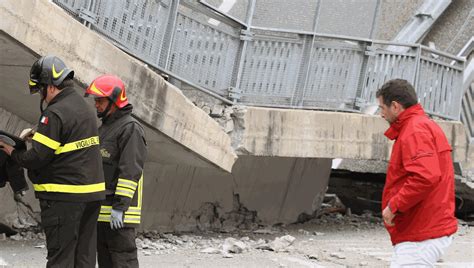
[{"x": 44, "y": 120}]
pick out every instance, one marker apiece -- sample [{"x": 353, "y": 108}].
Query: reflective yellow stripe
[
  {"x": 31, "y": 83},
  {"x": 106, "y": 209},
  {"x": 133, "y": 210},
  {"x": 124, "y": 192},
  {"x": 104, "y": 218},
  {"x": 140, "y": 192},
  {"x": 46, "y": 141},
  {"x": 130, "y": 210},
  {"x": 126, "y": 187},
  {"x": 76, "y": 145},
  {"x": 64, "y": 188},
  {"x": 130, "y": 221},
  {"x": 130, "y": 183}
]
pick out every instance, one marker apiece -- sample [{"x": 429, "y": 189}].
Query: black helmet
[{"x": 48, "y": 70}]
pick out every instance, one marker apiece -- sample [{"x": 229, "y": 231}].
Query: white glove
[
  {"x": 116, "y": 219},
  {"x": 26, "y": 134}
]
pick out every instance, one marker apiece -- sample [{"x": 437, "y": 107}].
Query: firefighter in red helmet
[{"x": 123, "y": 149}]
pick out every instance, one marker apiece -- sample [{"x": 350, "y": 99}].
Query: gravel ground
[{"x": 331, "y": 241}]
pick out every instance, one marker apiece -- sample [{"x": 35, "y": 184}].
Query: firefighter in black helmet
[{"x": 64, "y": 165}]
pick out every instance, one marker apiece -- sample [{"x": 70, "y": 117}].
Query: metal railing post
[
  {"x": 88, "y": 15},
  {"x": 164, "y": 56},
  {"x": 308, "y": 60},
  {"x": 246, "y": 36},
  {"x": 416, "y": 74},
  {"x": 361, "y": 92}
]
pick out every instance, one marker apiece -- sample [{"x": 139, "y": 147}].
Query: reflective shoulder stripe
[
  {"x": 77, "y": 145},
  {"x": 74, "y": 189},
  {"x": 46, "y": 141}
]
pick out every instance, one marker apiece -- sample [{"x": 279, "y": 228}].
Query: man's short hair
[{"x": 398, "y": 90}]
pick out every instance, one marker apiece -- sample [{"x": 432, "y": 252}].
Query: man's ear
[{"x": 397, "y": 106}]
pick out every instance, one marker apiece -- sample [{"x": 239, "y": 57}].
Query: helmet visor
[{"x": 35, "y": 86}]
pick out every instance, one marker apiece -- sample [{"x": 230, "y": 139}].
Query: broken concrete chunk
[
  {"x": 233, "y": 245},
  {"x": 281, "y": 244},
  {"x": 217, "y": 110},
  {"x": 211, "y": 251},
  {"x": 229, "y": 126},
  {"x": 16, "y": 237},
  {"x": 227, "y": 255},
  {"x": 313, "y": 257},
  {"x": 337, "y": 255},
  {"x": 304, "y": 232},
  {"x": 265, "y": 231}
]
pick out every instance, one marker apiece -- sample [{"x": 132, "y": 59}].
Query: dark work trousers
[
  {"x": 71, "y": 232},
  {"x": 116, "y": 248}
]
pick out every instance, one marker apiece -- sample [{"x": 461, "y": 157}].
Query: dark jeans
[
  {"x": 116, "y": 248},
  {"x": 71, "y": 232}
]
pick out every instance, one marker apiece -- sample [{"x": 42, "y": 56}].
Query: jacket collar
[
  {"x": 118, "y": 114},
  {"x": 62, "y": 94},
  {"x": 394, "y": 130}
]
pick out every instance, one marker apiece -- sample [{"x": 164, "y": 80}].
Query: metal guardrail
[
  {"x": 467, "y": 114},
  {"x": 270, "y": 67}
]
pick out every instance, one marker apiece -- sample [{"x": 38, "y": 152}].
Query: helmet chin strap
[
  {"x": 104, "y": 113},
  {"x": 44, "y": 93}
]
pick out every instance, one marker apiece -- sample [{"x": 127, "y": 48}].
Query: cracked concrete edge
[
  {"x": 317, "y": 134},
  {"x": 157, "y": 102},
  {"x": 11, "y": 123}
]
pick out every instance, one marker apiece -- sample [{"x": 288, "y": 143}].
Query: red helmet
[{"x": 109, "y": 86}]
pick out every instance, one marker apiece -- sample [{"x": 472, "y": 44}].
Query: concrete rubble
[
  {"x": 295, "y": 242},
  {"x": 210, "y": 217}
]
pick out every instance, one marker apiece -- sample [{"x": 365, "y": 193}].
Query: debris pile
[{"x": 156, "y": 243}]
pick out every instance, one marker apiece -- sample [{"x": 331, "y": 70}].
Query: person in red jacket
[{"x": 418, "y": 197}]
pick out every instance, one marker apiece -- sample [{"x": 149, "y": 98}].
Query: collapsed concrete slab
[
  {"x": 161, "y": 105},
  {"x": 270, "y": 190},
  {"x": 301, "y": 133}
]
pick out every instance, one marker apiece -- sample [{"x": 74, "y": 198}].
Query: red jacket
[{"x": 420, "y": 179}]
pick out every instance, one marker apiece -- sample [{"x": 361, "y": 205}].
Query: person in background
[{"x": 418, "y": 197}]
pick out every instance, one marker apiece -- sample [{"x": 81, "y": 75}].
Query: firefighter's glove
[
  {"x": 116, "y": 219},
  {"x": 27, "y": 134}
]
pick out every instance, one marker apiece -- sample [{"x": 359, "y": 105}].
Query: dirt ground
[{"x": 332, "y": 241}]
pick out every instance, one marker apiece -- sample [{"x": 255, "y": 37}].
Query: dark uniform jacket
[
  {"x": 10, "y": 171},
  {"x": 123, "y": 149},
  {"x": 64, "y": 162}
]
